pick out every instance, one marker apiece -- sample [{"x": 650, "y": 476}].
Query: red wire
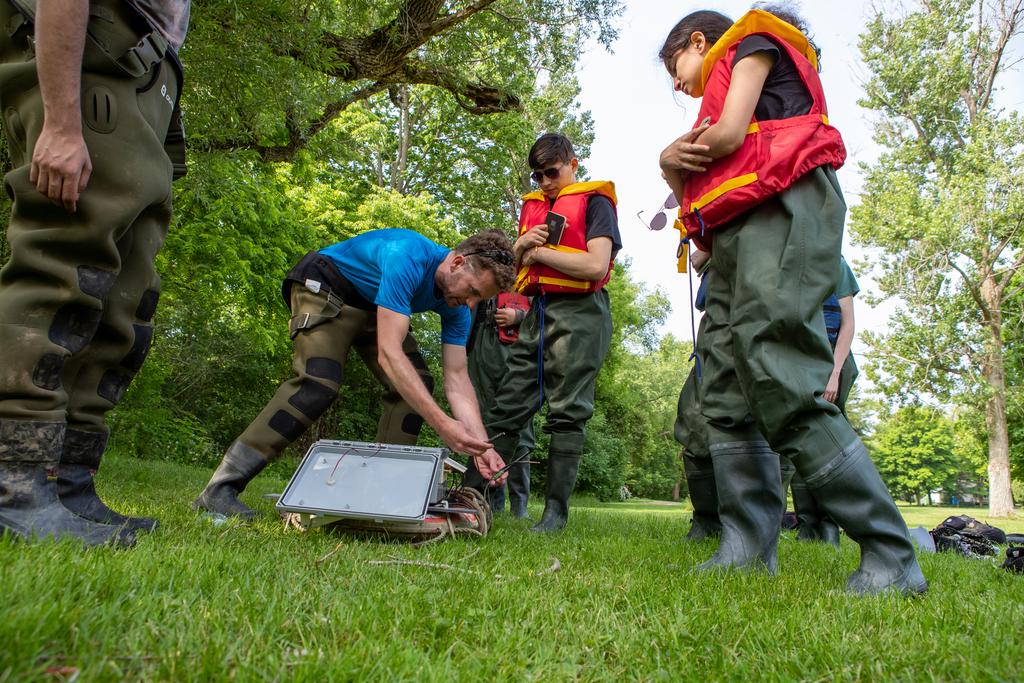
[{"x": 380, "y": 447}]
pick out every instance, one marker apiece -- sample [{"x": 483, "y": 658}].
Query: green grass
[
  {"x": 193, "y": 603},
  {"x": 926, "y": 516}
]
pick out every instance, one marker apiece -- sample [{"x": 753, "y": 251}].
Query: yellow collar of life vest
[
  {"x": 755, "y": 21},
  {"x": 606, "y": 186}
]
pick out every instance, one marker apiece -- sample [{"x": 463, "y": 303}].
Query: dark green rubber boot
[
  {"x": 815, "y": 524},
  {"x": 749, "y": 505},
  {"x": 29, "y": 507},
  {"x": 849, "y": 489},
  {"x": 519, "y": 485},
  {"x": 240, "y": 465},
  {"x": 562, "y": 470},
  {"x": 700, "y": 480},
  {"x": 79, "y": 462}
]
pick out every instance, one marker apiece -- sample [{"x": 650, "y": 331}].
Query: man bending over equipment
[{"x": 361, "y": 293}]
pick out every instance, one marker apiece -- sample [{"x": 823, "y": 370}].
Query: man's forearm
[
  {"x": 403, "y": 375},
  {"x": 60, "y": 40},
  {"x": 462, "y": 399}
]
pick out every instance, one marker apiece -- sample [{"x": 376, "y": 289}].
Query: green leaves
[{"x": 914, "y": 452}]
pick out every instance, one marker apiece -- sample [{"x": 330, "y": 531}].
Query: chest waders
[
  {"x": 576, "y": 333},
  {"x": 814, "y": 523},
  {"x": 486, "y": 363},
  {"x": 768, "y": 360},
  {"x": 328, "y": 318},
  {"x": 78, "y": 295}
]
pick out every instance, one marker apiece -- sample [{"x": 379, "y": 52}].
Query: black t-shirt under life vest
[{"x": 784, "y": 94}]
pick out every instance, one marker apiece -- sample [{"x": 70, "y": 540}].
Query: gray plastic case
[{"x": 370, "y": 481}]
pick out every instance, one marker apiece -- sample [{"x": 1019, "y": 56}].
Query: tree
[
  {"x": 913, "y": 452},
  {"x": 272, "y": 75},
  {"x": 945, "y": 205}
]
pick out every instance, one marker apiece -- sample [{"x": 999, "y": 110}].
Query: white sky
[{"x": 636, "y": 115}]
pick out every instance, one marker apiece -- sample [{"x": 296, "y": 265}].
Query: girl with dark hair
[{"x": 769, "y": 209}]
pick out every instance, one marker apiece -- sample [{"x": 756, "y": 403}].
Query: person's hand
[
  {"x": 832, "y": 388},
  {"x": 489, "y": 464},
  {"x": 536, "y": 236},
  {"x": 684, "y": 154},
  {"x": 60, "y": 166},
  {"x": 533, "y": 256},
  {"x": 698, "y": 258},
  {"x": 505, "y": 317},
  {"x": 461, "y": 440}
]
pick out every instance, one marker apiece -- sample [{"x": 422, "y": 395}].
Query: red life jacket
[
  {"x": 517, "y": 302},
  {"x": 775, "y": 153},
  {"x": 539, "y": 278}
]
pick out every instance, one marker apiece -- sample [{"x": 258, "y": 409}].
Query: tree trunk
[{"x": 1000, "y": 499}]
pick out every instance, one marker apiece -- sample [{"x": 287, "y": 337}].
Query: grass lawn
[{"x": 196, "y": 602}]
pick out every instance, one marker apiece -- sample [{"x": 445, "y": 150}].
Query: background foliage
[{"x": 310, "y": 122}]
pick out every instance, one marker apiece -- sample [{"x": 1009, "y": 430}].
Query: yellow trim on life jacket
[
  {"x": 575, "y": 284},
  {"x": 824, "y": 119},
  {"x": 753, "y": 128},
  {"x": 564, "y": 249},
  {"x": 578, "y": 188},
  {"x": 524, "y": 278},
  {"x": 753, "y": 21},
  {"x": 730, "y": 184}
]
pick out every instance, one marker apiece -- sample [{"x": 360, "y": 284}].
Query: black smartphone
[{"x": 555, "y": 223}]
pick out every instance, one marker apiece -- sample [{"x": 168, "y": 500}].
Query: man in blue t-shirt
[{"x": 361, "y": 293}]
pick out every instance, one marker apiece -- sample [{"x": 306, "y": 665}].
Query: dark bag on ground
[
  {"x": 967, "y": 536},
  {"x": 1014, "y": 559}
]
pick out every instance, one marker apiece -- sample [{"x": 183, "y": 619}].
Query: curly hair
[{"x": 490, "y": 240}]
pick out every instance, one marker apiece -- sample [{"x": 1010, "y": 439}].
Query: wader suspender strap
[
  {"x": 135, "y": 62},
  {"x": 138, "y": 60},
  {"x": 303, "y": 321}
]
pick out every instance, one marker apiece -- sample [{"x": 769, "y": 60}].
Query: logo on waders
[{"x": 163, "y": 91}]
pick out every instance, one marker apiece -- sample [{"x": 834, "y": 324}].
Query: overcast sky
[{"x": 636, "y": 115}]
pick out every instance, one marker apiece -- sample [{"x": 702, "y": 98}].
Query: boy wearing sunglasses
[{"x": 565, "y": 336}]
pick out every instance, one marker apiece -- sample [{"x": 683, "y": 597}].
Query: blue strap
[
  {"x": 541, "y": 304},
  {"x": 696, "y": 212}
]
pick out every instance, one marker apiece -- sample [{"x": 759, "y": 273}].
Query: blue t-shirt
[{"x": 395, "y": 269}]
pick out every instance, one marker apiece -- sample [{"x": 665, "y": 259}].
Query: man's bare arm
[
  {"x": 392, "y": 329},
  {"x": 60, "y": 160}
]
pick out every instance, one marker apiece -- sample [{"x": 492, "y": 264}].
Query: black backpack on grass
[
  {"x": 971, "y": 525},
  {"x": 967, "y": 536}
]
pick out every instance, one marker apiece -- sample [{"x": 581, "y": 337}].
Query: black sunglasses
[
  {"x": 500, "y": 256},
  {"x": 552, "y": 173}
]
